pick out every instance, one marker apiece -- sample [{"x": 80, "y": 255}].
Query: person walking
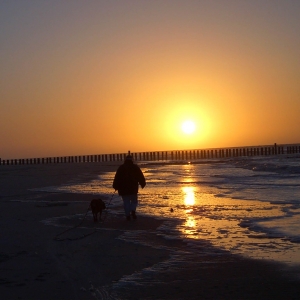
[{"x": 126, "y": 181}]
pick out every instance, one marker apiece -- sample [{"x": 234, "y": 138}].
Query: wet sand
[{"x": 41, "y": 259}]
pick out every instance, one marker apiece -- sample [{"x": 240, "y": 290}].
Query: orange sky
[{"x": 96, "y": 77}]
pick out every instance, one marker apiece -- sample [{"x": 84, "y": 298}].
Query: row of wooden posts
[{"x": 163, "y": 155}]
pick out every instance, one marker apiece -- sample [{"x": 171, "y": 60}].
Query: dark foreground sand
[{"x": 90, "y": 262}]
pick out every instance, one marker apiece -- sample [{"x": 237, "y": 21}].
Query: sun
[{"x": 188, "y": 127}]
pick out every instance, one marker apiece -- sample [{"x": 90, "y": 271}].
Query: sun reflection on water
[
  {"x": 189, "y": 227},
  {"x": 189, "y": 195}
]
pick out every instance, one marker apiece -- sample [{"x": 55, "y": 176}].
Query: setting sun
[{"x": 188, "y": 127}]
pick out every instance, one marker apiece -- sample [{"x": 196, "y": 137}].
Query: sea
[{"x": 249, "y": 206}]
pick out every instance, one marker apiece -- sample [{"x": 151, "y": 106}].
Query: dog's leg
[{"x": 95, "y": 217}]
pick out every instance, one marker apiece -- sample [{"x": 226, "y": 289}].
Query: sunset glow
[{"x": 107, "y": 77}]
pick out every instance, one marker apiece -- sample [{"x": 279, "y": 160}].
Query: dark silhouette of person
[{"x": 126, "y": 182}]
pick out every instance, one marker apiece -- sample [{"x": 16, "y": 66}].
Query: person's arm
[
  {"x": 116, "y": 181},
  {"x": 141, "y": 178}
]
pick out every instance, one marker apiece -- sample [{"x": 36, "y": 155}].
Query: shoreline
[{"x": 104, "y": 264}]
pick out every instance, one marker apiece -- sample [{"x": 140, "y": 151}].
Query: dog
[{"x": 97, "y": 205}]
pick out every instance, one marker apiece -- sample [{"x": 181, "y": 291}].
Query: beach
[{"x": 45, "y": 255}]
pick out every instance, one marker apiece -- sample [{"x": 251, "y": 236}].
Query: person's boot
[{"x": 133, "y": 214}]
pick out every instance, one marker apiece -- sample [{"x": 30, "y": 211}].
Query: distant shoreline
[{"x": 191, "y": 154}]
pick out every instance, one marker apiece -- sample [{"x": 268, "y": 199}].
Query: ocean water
[{"x": 248, "y": 206}]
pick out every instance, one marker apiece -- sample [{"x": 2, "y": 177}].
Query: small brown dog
[{"x": 97, "y": 205}]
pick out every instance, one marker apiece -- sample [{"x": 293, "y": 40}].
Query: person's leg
[
  {"x": 127, "y": 205},
  {"x": 133, "y": 204}
]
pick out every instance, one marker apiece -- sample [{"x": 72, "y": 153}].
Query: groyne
[{"x": 176, "y": 155}]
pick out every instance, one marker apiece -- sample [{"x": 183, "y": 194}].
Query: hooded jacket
[{"x": 127, "y": 178}]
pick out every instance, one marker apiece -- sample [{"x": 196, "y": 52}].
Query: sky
[{"x": 95, "y": 77}]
